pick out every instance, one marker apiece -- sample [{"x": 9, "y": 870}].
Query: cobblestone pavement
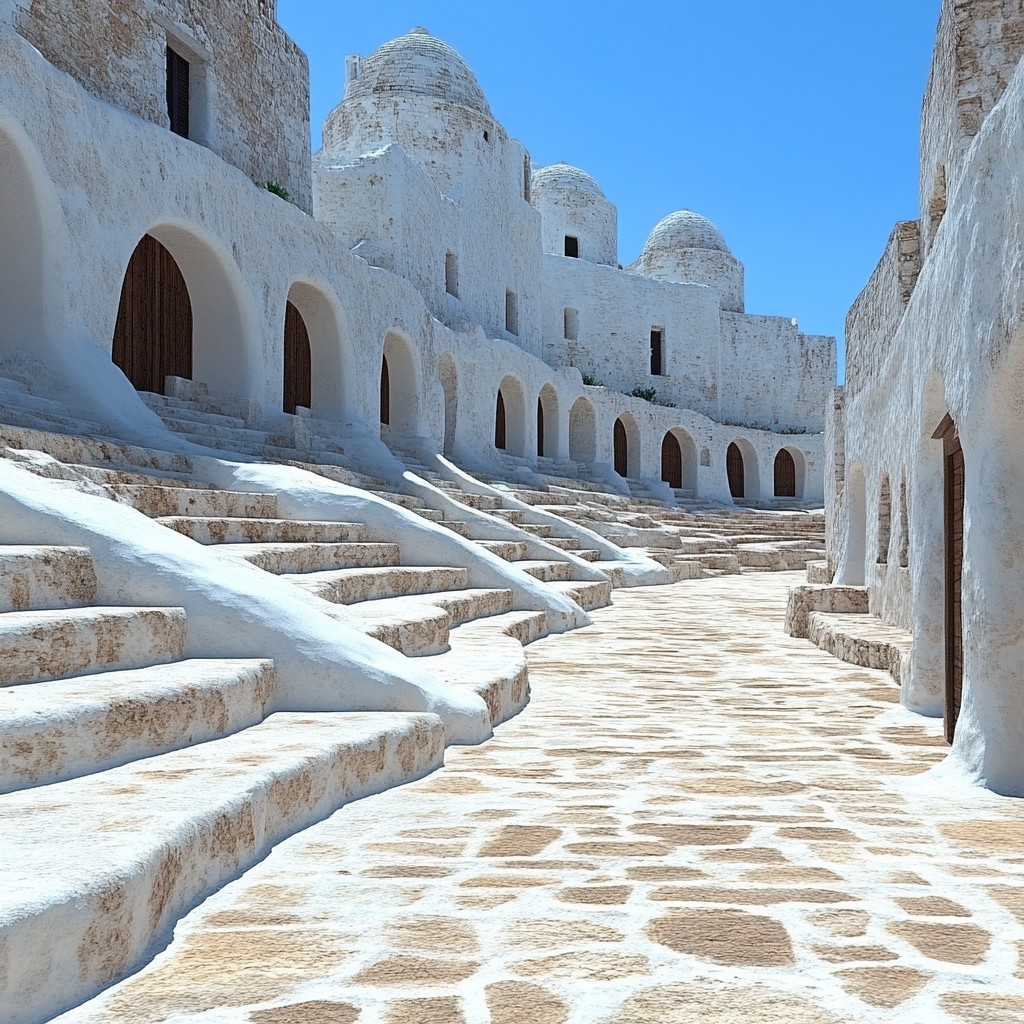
[{"x": 697, "y": 818}]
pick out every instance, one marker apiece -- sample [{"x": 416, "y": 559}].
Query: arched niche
[
  {"x": 626, "y": 446},
  {"x": 399, "y": 386},
  {"x": 449, "y": 374},
  {"x": 548, "y": 422},
  {"x": 511, "y": 397},
  {"x": 742, "y": 470},
  {"x": 329, "y": 357},
  {"x": 582, "y": 432},
  {"x": 679, "y": 460}
]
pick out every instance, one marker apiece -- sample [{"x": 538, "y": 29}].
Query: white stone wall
[
  {"x": 959, "y": 349},
  {"x": 571, "y": 203}
]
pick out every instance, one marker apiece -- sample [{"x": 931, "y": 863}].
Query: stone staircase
[{"x": 165, "y": 773}]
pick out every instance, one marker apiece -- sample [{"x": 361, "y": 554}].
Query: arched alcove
[
  {"x": 742, "y": 470},
  {"x": 175, "y": 277},
  {"x": 851, "y": 568},
  {"x": 511, "y": 398},
  {"x": 23, "y": 266},
  {"x": 399, "y": 385},
  {"x": 298, "y": 386},
  {"x": 329, "y": 356},
  {"x": 884, "y": 519},
  {"x": 500, "y": 425},
  {"x": 785, "y": 474},
  {"x": 449, "y": 374},
  {"x": 548, "y": 422},
  {"x": 582, "y": 432},
  {"x": 679, "y": 460},
  {"x": 626, "y": 446}
]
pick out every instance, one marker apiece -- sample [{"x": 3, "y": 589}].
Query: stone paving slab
[{"x": 697, "y": 818}]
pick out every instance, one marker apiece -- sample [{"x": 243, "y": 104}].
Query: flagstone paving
[{"x": 697, "y": 818}]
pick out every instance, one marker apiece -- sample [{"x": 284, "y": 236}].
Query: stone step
[
  {"x": 587, "y": 554},
  {"x": 207, "y": 426},
  {"x": 412, "y": 624},
  {"x": 510, "y": 550},
  {"x": 244, "y": 530},
  {"x": 432, "y": 515},
  {"x": 404, "y": 500},
  {"x": 587, "y": 594},
  {"x": 484, "y": 502},
  {"x": 181, "y": 411},
  {"x": 68, "y": 727},
  {"x": 55, "y": 644},
  {"x": 153, "y": 477},
  {"x": 154, "y": 837},
  {"x": 373, "y": 583},
  {"x": 307, "y": 558},
  {"x": 515, "y": 516},
  {"x": 546, "y": 572},
  {"x": 54, "y": 421},
  {"x": 456, "y": 526},
  {"x": 45, "y": 578},
  {"x": 537, "y": 529},
  {"x": 159, "y": 502}
]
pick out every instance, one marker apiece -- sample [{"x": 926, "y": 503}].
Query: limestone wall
[
  {"x": 978, "y": 45},
  {"x": 249, "y": 81}
]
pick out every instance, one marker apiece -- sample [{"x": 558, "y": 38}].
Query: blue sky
[{"x": 792, "y": 124}]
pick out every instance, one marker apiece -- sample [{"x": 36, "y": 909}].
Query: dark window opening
[
  {"x": 657, "y": 352},
  {"x": 178, "y": 93},
  {"x": 499, "y": 422},
  {"x": 572, "y": 246},
  {"x": 385, "y": 392},
  {"x": 571, "y": 324},
  {"x": 451, "y": 274},
  {"x": 487, "y": 135},
  {"x": 540, "y": 427},
  {"x": 511, "y": 312}
]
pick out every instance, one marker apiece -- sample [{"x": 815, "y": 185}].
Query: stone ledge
[
  {"x": 836, "y": 600},
  {"x": 862, "y": 640}
]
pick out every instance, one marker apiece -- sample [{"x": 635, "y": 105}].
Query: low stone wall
[{"x": 805, "y": 600}]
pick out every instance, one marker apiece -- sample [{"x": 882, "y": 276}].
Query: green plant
[
  {"x": 591, "y": 381},
  {"x": 647, "y": 394},
  {"x": 279, "y": 190}
]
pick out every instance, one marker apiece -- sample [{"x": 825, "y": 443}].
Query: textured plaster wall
[
  {"x": 958, "y": 349},
  {"x": 585, "y": 215},
  {"x": 247, "y": 75}
]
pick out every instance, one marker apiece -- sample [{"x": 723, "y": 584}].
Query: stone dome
[
  {"x": 418, "y": 63},
  {"x": 565, "y": 178},
  {"x": 684, "y": 229}
]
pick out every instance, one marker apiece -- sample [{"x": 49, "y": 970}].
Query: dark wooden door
[
  {"x": 953, "y": 500},
  {"x": 298, "y": 385},
  {"x": 385, "y": 392},
  {"x": 153, "y": 333},
  {"x": 540, "y": 427},
  {"x": 499, "y": 422},
  {"x": 671, "y": 461},
  {"x": 620, "y": 448},
  {"x": 734, "y": 470},
  {"x": 785, "y": 475}
]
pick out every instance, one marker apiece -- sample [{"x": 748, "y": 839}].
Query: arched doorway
[
  {"x": 510, "y": 408},
  {"x": 399, "y": 388},
  {"x": 735, "y": 470},
  {"x": 540, "y": 427},
  {"x": 153, "y": 332},
  {"x": 449, "y": 374},
  {"x": 671, "y": 461},
  {"x": 582, "y": 432},
  {"x": 500, "y": 439},
  {"x": 298, "y": 362},
  {"x": 548, "y": 423},
  {"x": 953, "y": 534},
  {"x": 620, "y": 449},
  {"x": 785, "y": 475},
  {"x": 385, "y": 392}
]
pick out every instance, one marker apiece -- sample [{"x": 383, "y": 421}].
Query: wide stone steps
[
  {"x": 45, "y": 577},
  {"x": 546, "y": 572},
  {"x": 587, "y": 594},
  {"x": 350, "y": 586},
  {"x": 314, "y": 557},
  {"x": 152, "y": 477},
  {"x": 158, "y": 502},
  {"x": 53, "y": 644},
  {"x": 153, "y": 837},
  {"x": 510, "y": 550},
  {"x": 68, "y": 727},
  {"x": 246, "y": 530}
]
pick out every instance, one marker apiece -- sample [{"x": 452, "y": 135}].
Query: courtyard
[{"x": 696, "y": 818}]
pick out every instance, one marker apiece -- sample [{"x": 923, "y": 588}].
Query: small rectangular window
[
  {"x": 451, "y": 274},
  {"x": 572, "y": 324},
  {"x": 178, "y": 91},
  {"x": 572, "y": 246},
  {"x": 657, "y": 352},
  {"x": 511, "y": 312},
  {"x": 527, "y": 173}
]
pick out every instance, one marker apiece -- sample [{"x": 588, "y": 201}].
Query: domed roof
[
  {"x": 684, "y": 229},
  {"x": 565, "y": 178},
  {"x": 420, "y": 64}
]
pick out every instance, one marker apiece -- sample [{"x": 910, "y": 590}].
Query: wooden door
[
  {"x": 785, "y": 475},
  {"x": 298, "y": 387},
  {"x": 385, "y": 392},
  {"x": 499, "y": 422},
  {"x": 953, "y": 501},
  {"x": 153, "y": 333},
  {"x": 540, "y": 427},
  {"x": 734, "y": 470},
  {"x": 621, "y": 449},
  {"x": 671, "y": 461}
]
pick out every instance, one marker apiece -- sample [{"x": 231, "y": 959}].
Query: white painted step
[
  {"x": 254, "y": 530},
  {"x": 152, "y": 838},
  {"x": 40, "y": 577},
  {"x": 349, "y": 586},
  {"x": 68, "y": 727},
  {"x": 40, "y": 645}
]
